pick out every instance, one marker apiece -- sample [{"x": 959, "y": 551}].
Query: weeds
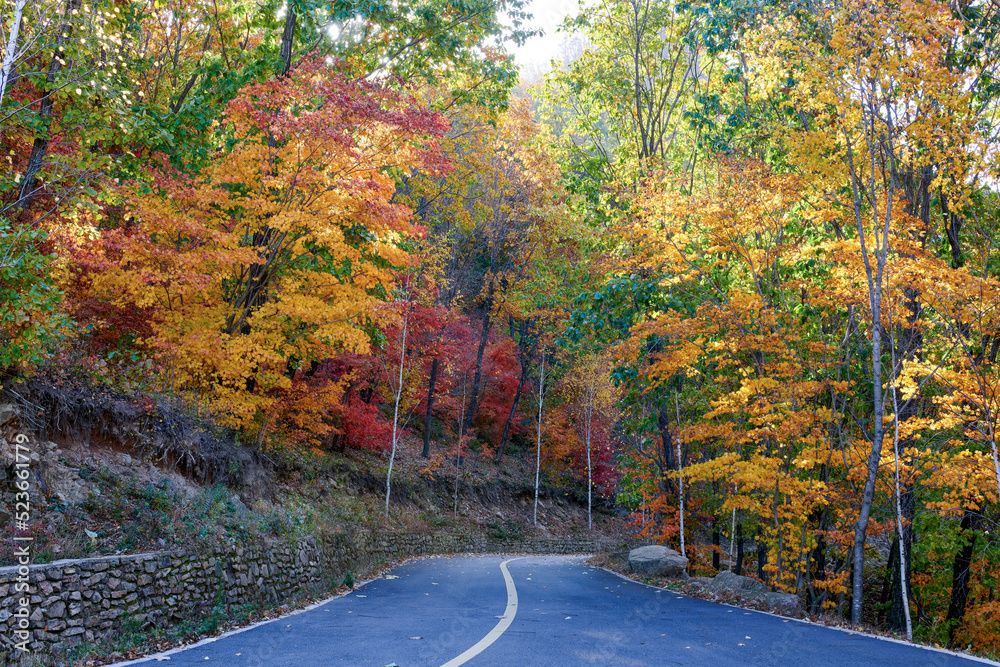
[{"x": 508, "y": 530}]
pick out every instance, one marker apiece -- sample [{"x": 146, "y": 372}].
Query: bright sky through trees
[{"x": 533, "y": 58}]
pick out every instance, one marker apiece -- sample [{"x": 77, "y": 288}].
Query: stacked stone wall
[{"x": 49, "y": 608}]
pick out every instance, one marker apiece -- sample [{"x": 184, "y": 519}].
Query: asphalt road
[{"x": 535, "y": 611}]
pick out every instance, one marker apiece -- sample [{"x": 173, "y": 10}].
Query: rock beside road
[
  {"x": 657, "y": 561},
  {"x": 750, "y": 590}
]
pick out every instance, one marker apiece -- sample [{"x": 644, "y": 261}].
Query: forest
[{"x": 734, "y": 267}]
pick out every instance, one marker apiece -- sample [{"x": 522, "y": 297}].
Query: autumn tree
[
  {"x": 279, "y": 254},
  {"x": 593, "y": 397},
  {"x": 868, "y": 119},
  {"x": 492, "y": 212}
]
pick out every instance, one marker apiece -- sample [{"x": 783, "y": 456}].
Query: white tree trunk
[
  {"x": 732, "y": 534},
  {"x": 680, "y": 471},
  {"x": 588, "y": 422},
  {"x": 538, "y": 446},
  {"x": 874, "y": 277},
  {"x": 996, "y": 462},
  {"x": 899, "y": 504},
  {"x": 395, "y": 414},
  {"x": 590, "y": 522},
  {"x": 8, "y": 56}
]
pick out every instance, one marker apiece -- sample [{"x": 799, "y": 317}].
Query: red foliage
[
  {"x": 604, "y": 471},
  {"x": 364, "y": 427}
]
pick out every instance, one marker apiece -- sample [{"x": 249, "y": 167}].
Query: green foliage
[
  {"x": 144, "y": 512},
  {"x": 129, "y": 634},
  {"x": 455, "y": 42},
  {"x": 29, "y": 324},
  {"x": 505, "y": 530}
]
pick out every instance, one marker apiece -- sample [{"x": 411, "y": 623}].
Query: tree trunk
[
  {"x": 538, "y": 448},
  {"x": 287, "y": 40},
  {"x": 716, "y": 541},
  {"x": 40, "y": 147},
  {"x": 396, "y": 431},
  {"x": 590, "y": 482},
  {"x": 874, "y": 276},
  {"x": 960, "y": 575},
  {"x": 817, "y": 559},
  {"x": 426, "y": 453},
  {"x": 470, "y": 414},
  {"x": 896, "y": 618},
  {"x": 7, "y": 68},
  {"x": 953, "y": 226},
  {"x": 680, "y": 475},
  {"x": 513, "y": 409},
  {"x": 891, "y": 566},
  {"x": 761, "y": 556},
  {"x": 738, "y": 570},
  {"x": 817, "y": 573},
  {"x": 663, "y": 423}
]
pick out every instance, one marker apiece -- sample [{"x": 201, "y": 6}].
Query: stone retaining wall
[{"x": 52, "y": 607}]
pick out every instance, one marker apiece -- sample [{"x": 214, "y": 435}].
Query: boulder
[
  {"x": 726, "y": 581},
  {"x": 657, "y": 561},
  {"x": 785, "y": 604},
  {"x": 7, "y": 412},
  {"x": 750, "y": 590}
]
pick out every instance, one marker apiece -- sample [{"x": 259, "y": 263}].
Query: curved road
[{"x": 535, "y": 611}]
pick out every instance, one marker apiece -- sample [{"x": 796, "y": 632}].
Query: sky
[{"x": 534, "y": 56}]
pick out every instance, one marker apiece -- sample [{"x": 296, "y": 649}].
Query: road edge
[
  {"x": 162, "y": 655},
  {"x": 975, "y": 658}
]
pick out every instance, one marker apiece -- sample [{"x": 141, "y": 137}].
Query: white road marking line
[{"x": 499, "y": 628}]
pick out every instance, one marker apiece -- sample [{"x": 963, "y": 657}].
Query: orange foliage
[{"x": 276, "y": 255}]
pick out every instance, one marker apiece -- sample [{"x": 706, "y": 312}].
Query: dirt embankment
[{"x": 112, "y": 476}]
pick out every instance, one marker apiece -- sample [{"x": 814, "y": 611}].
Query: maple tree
[{"x": 276, "y": 257}]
